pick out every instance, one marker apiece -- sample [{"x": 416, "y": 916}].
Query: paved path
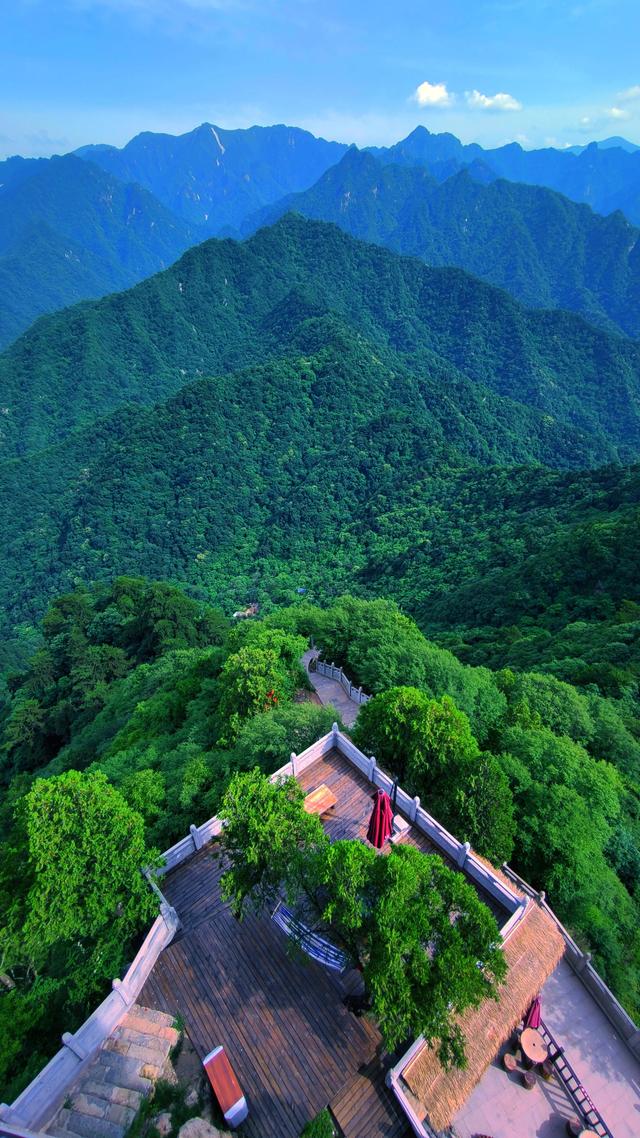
[{"x": 330, "y": 691}]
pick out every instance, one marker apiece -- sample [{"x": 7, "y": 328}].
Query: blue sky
[{"x": 544, "y": 72}]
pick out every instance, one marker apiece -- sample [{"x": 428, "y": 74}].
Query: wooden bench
[
  {"x": 225, "y": 1086},
  {"x": 320, "y": 800}
]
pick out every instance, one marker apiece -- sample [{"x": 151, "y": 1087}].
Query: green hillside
[
  {"x": 240, "y": 481},
  {"x": 227, "y": 305},
  {"x": 141, "y": 705},
  {"x": 547, "y": 251},
  {"x": 69, "y": 231}
]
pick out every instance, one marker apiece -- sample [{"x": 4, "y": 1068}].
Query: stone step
[
  {"x": 108, "y": 1095},
  {"x": 98, "y": 1086},
  {"x": 149, "y": 1015},
  {"x": 88, "y": 1126},
  {"x": 162, "y": 1039},
  {"x": 122, "y": 1073}
]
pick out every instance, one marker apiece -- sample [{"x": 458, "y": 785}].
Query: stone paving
[
  {"x": 330, "y": 691},
  {"x": 501, "y": 1106},
  {"x": 107, "y": 1096}
]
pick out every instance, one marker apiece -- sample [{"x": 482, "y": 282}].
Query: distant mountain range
[
  {"x": 87, "y": 224},
  {"x": 547, "y": 251},
  {"x": 605, "y": 177},
  {"x": 212, "y": 178},
  {"x": 69, "y": 231}
]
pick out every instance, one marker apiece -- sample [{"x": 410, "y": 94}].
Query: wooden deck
[
  {"x": 349, "y": 818},
  {"x": 293, "y": 1044},
  {"x": 291, "y": 1041}
]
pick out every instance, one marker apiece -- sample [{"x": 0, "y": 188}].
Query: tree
[
  {"x": 250, "y": 682},
  {"x": 24, "y": 731},
  {"x": 268, "y": 839},
  {"x": 267, "y": 740},
  {"x": 86, "y": 848},
  {"x": 476, "y": 804},
  {"x": 393, "y": 727},
  {"x": 145, "y": 792},
  {"x": 422, "y": 932},
  {"x": 540, "y": 700},
  {"x": 259, "y": 676},
  {"x": 418, "y": 929},
  {"x": 428, "y": 744}
]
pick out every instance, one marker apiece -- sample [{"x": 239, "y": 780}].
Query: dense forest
[
  {"x": 227, "y": 305},
  {"x": 139, "y": 706},
  {"x": 69, "y": 231},
  {"x": 351, "y": 437}
]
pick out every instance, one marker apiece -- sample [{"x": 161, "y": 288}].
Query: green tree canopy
[
  {"x": 86, "y": 849},
  {"x": 418, "y": 928},
  {"x": 393, "y": 726},
  {"x": 268, "y": 838}
]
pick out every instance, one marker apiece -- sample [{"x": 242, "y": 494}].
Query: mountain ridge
[
  {"x": 544, "y": 249},
  {"x": 606, "y": 179},
  {"x": 69, "y": 230},
  {"x": 213, "y": 311},
  {"x": 211, "y": 177}
]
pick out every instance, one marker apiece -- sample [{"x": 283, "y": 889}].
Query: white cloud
[
  {"x": 432, "y": 95},
  {"x": 618, "y": 113},
  {"x": 498, "y": 102},
  {"x": 629, "y": 94}
]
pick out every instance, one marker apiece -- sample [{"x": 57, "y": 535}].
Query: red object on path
[
  {"x": 225, "y": 1086},
  {"x": 532, "y": 1018},
  {"x": 381, "y": 823}
]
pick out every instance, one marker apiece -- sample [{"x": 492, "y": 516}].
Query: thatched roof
[{"x": 531, "y": 952}]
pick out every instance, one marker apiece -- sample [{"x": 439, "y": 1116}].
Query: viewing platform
[{"x": 296, "y": 1048}]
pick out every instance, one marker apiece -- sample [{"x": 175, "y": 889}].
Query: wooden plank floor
[
  {"x": 290, "y": 1039},
  {"x": 294, "y": 1046},
  {"x": 365, "y": 1108}
]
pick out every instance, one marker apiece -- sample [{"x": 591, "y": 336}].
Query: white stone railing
[
  {"x": 458, "y": 852},
  {"x": 42, "y": 1098},
  {"x": 337, "y": 674},
  {"x": 581, "y": 964},
  {"x": 393, "y": 1080}
]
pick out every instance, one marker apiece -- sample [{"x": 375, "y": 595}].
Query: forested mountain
[
  {"x": 287, "y": 419},
  {"x": 605, "y": 178},
  {"x": 68, "y": 231},
  {"x": 103, "y": 218},
  {"x": 227, "y": 305},
  {"x": 212, "y": 177},
  {"x": 226, "y": 485},
  {"x": 543, "y": 248}
]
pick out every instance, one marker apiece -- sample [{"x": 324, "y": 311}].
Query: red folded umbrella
[
  {"x": 532, "y": 1018},
  {"x": 381, "y": 822}
]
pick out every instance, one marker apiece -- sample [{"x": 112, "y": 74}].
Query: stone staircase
[{"x": 107, "y": 1096}]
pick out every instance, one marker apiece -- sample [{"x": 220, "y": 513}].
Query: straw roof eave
[{"x": 531, "y": 952}]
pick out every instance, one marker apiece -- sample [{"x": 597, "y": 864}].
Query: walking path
[{"x": 330, "y": 691}]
